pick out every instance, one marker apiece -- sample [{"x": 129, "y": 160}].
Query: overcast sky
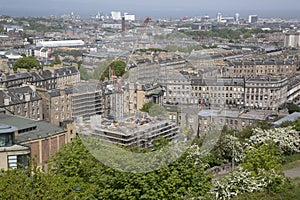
[{"x": 155, "y": 8}]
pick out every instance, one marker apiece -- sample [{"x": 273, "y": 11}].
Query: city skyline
[{"x": 155, "y": 8}]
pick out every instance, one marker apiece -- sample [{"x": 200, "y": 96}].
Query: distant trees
[
  {"x": 26, "y": 63},
  {"x": 118, "y": 67},
  {"x": 293, "y": 108},
  {"x": 56, "y": 61},
  {"x": 146, "y": 107}
]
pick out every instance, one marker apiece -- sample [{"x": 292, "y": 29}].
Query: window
[
  {"x": 6, "y": 140},
  {"x": 17, "y": 161},
  {"x": 12, "y": 162}
]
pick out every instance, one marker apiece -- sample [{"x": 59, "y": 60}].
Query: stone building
[
  {"x": 57, "y": 105},
  {"x": 43, "y": 79},
  {"x": 22, "y": 101},
  {"x": 66, "y": 76},
  {"x": 177, "y": 89},
  {"x": 249, "y": 68},
  {"x": 233, "y": 119},
  {"x": 266, "y": 92},
  {"x": 218, "y": 92}
]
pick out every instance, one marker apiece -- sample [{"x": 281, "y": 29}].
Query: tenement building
[
  {"x": 57, "y": 104},
  {"x": 177, "y": 89},
  {"x": 266, "y": 92},
  {"x": 249, "y": 68},
  {"x": 218, "y": 92},
  {"x": 66, "y": 76},
  {"x": 22, "y": 101}
]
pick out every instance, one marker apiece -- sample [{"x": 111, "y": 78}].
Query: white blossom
[{"x": 287, "y": 138}]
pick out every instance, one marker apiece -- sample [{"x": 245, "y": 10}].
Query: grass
[{"x": 291, "y": 161}]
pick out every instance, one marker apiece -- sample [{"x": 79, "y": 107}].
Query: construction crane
[
  {"x": 145, "y": 23},
  {"x": 140, "y": 35}
]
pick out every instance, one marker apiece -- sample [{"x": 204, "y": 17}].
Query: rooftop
[
  {"x": 35, "y": 129},
  {"x": 292, "y": 117},
  {"x": 254, "y": 115}
]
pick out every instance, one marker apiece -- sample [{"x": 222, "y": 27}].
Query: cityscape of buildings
[{"x": 231, "y": 81}]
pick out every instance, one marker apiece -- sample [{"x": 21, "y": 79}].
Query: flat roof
[
  {"x": 40, "y": 129},
  {"x": 291, "y": 117},
  {"x": 254, "y": 115}
]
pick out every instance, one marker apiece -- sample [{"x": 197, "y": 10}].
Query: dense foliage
[
  {"x": 293, "y": 108},
  {"x": 26, "y": 63},
  {"x": 75, "y": 173},
  {"x": 118, "y": 68}
]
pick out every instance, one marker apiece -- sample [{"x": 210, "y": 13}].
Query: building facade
[
  {"x": 22, "y": 101},
  {"x": 266, "y": 92}
]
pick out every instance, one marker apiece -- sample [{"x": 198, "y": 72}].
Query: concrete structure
[
  {"x": 129, "y": 17},
  {"x": 87, "y": 100},
  {"x": 117, "y": 26},
  {"x": 12, "y": 155},
  {"x": 43, "y": 139},
  {"x": 292, "y": 39},
  {"x": 135, "y": 131},
  {"x": 116, "y": 15},
  {"x": 252, "y": 19}
]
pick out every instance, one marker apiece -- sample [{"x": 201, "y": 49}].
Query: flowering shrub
[
  {"x": 242, "y": 181},
  {"x": 286, "y": 138}
]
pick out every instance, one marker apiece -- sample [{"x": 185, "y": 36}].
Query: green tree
[
  {"x": 35, "y": 183},
  {"x": 262, "y": 157},
  {"x": 56, "y": 60},
  {"x": 118, "y": 67},
  {"x": 183, "y": 179},
  {"x": 293, "y": 108},
  {"x": 26, "y": 63},
  {"x": 147, "y": 106}
]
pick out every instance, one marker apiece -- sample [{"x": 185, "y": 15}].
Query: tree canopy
[
  {"x": 26, "y": 63},
  {"x": 118, "y": 67}
]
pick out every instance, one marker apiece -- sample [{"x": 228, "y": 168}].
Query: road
[{"x": 292, "y": 173}]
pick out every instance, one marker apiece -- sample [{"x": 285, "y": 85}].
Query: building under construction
[{"x": 134, "y": 131}]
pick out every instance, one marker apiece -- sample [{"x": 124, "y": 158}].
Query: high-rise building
[
  {"x": 292, "y": 39},
  {"x": 129, "y": 17},
  {"x": 237, "y": 17},
  {"x": 219, "y": 17},
  {"x": 252, "y": 19},
  {"x": 116, "y": 15}
]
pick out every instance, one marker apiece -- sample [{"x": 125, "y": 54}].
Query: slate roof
[
  {"x": 17, "y": 95},
  {"x": 41, "y": 129}
]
